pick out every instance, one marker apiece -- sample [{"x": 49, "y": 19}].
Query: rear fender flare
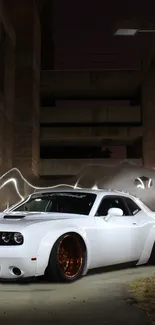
[{"x": 148, "y": 246}]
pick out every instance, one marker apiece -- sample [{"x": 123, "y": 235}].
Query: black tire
[
  {"x": 152, "y": 257},
  {"x": 75, "y": 248}
]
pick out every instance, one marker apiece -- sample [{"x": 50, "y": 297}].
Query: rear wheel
[{"x": 67, "y": 259}]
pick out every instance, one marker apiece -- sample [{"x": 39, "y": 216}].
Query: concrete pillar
[
  {"x": 7, "y": 46},
  {"x": 9, "y": 106},
  {"x": 27, "y": 87},
  {"x": 148, "y": 112}
]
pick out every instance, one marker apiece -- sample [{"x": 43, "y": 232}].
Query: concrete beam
[
  {"x": 48, "y": 135},
  {"x": 88, "y": 83}
]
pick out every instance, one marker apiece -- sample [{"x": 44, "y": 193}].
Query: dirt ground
[{"x": 144, "y": 293}]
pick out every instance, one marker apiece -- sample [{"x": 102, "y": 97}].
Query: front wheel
[{"x": 67, "y": 259}]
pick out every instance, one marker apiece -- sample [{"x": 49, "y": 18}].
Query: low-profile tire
[
  {"x": 67, "y": 259},
  {"x": 152, "y": 256}
]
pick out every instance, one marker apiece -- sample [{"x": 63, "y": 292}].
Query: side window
[
  {"x": 111, "y": 202},
  {"x": 133, "y": 207}
]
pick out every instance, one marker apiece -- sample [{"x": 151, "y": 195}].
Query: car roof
[
  {"x": 77, "y": 190},
  {"x": 83, "y": 190}
]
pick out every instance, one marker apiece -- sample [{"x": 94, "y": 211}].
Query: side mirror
[{"x": 114, "y": 212}]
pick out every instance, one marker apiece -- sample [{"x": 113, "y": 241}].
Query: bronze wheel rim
[{"x": 70, "y": 256}]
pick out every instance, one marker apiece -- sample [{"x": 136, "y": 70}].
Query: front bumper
[
  {"x": 16, "y": 257},
  {"x": 26, "y": 267}
]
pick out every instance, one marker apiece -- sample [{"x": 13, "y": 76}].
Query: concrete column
[
  {"x": 9, "y": 106},
  {"x": 148, "y": 111},
  {"x": 27, "y": 88},
  {"x": 7, "y": 46}
]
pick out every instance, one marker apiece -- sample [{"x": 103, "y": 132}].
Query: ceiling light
[
  {"x": 132, "y": 31},
  {"x": 126, "y": 32}
]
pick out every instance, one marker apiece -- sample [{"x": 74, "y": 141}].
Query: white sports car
[{"x": 65, "y": 233}]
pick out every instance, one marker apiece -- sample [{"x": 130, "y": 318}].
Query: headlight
[
  {"x": 11, "y": 238},
  {"x": 18, "y": 238},
  {"x": 6, "y": 237}
]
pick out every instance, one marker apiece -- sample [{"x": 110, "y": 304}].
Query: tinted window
[
  {"x": 32, "y": 205},
  {"x": 133, "y": 207},
  {"x": 111, "y": 202},
  {"x": 59, "y": 202}
]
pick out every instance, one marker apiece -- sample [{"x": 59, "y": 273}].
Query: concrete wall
[
  {"x": 74, "y": 167},
  {"x": 96, "y": 111}
]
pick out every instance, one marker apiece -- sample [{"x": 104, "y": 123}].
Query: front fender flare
[{"x": 48, "y": 242}]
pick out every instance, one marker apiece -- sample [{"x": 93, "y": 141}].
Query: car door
[
  {"x": 142, "y": 223},
  {"x": 116, "y": 236}
]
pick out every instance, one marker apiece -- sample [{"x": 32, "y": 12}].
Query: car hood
[{"x": 19, "y": 220}]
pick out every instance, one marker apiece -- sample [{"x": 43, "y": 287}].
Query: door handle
[{"x": 134, "y": 223}]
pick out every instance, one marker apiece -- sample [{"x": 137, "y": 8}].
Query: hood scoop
[{"x": 7, "y": 216}]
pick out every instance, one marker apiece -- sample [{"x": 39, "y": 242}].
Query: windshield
[{"x": 63, "y": 202}]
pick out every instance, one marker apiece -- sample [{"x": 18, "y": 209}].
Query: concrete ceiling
[
  {"x": 78, "y": 40},
  {"x": 80, "y": 34}
]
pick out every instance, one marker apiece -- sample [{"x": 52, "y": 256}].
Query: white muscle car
[{"x": 65, "y": 233}]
